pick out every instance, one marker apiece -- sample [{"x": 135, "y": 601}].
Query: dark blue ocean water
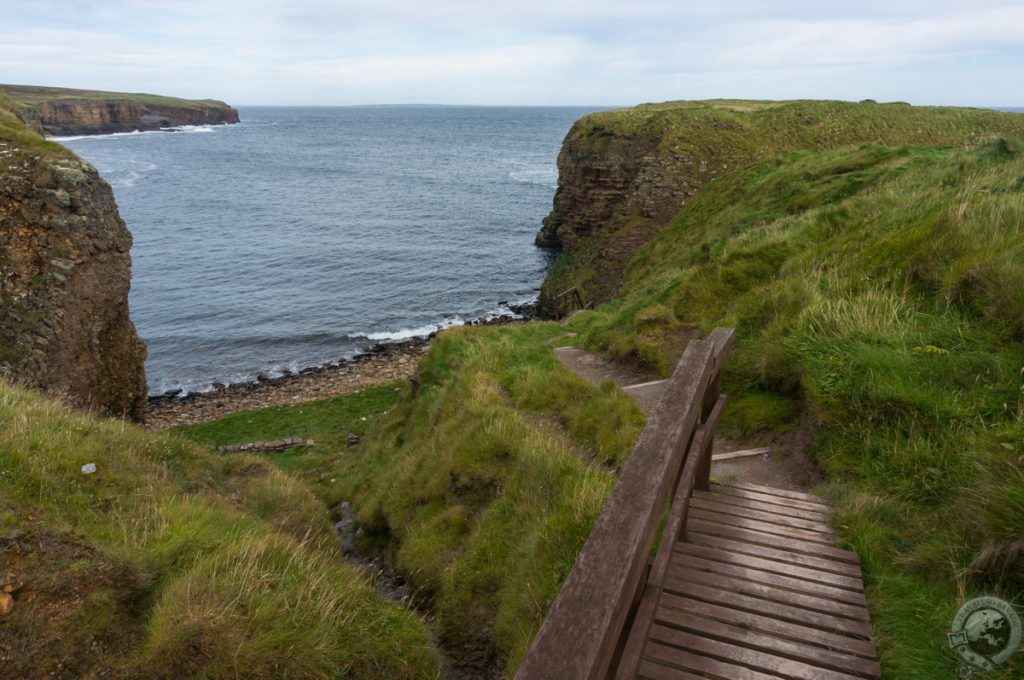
[{"x": 302, "y": 235}]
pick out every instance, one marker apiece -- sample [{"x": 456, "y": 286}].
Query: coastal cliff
[
  {"x": 65, "y": 272},
  {"x": 624, "y": 175},
  {"x": 61, "y": 111}
]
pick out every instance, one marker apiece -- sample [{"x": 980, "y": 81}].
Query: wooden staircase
[
  {"x": 746, "y": 583},
  {"x": 757, "y": 590}
]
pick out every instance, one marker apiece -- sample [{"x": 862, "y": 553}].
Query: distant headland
[{"x": 61, "y": 111}]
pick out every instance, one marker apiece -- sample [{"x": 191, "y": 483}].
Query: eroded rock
[{"x": 65, "y": 272}]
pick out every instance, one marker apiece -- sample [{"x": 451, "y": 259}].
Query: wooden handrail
[
  {"x": 588, "y": 624},
  {"x": 574, "y": 297}
]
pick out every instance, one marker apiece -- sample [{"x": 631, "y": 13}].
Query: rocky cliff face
[
  {"x": 97, "y": 116},
  {"x": 615, "y": 190},
  {"x": 64, "y": 278}
]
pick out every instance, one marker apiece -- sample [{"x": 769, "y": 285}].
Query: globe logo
[{"x": 986, "y": 632}]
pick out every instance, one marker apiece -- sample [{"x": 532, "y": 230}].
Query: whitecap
[
  {"x": 416, "y": 332},
  {"x": 135, "y": 133}
]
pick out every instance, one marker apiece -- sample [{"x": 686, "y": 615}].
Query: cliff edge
[
  {"x": 63, "y": 111},
  {"x": 626, "y": 174},
  {"x": 65, "y": 272}
]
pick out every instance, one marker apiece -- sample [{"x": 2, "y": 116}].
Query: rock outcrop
[
  {"x": 625, "y": 174},
  {"x": 60, "y": 111},
  {"x": 91, "y": 117},
  {"x": 65, "y": 272}
]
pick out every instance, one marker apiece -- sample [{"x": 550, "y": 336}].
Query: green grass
[
  {"x": 692, "y": 143},
  {"x": 482, "y": 485},
  {"x": 327, "y": 422},
  {"x": 877, "y": 290},
  {"x": 228, "y": 566},
  {"x": 26, "y": 142}
]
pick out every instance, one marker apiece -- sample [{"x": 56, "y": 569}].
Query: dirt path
[{"x": 786, "y": 466}]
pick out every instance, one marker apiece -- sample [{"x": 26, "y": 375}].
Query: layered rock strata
[{"x": 65, "y": 272}]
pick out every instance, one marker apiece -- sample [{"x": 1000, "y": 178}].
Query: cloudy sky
[{"x": 587, "y": 52}]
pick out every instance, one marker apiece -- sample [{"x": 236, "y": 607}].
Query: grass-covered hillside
[
  {"x": 879, "y": 292},
  {"x": 18, "y": 142},
  {"x": 172, "y": 561},
  {"x": 624, "y": 174},
  {"x": 481, "y": 484}
]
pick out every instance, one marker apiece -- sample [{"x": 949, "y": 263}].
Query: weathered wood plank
[
  {"x": 766, "y": 591},
  {"x": 707, "y": 667},
  {"x": 758, "y": 525},
  {"x": 791, "y": 611},
  {"x": 773, "y": 566},
  {"x": 818, "y": 657},
  {"x": 581, "y": 633},
  {"x": 796, "y": 585},
  {"x": 774, "y": 500},
  {"x": 650, "y": 670},
  {"x": 777, "y": 554},
  {"x": 740, "y": 454},
  {"x": 799, "y": 513},
  {"x": 770, "y": 625},
  {"x": 713, "y": 504},
  {"x": 784, "y": 493},
  {"x": 756, "y": 537},
  {"x": 740, "y": 655}
]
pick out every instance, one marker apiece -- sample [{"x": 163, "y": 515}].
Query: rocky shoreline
[
  {"x": 379, "y": 364},
  {"x": 382, "y": 364}
]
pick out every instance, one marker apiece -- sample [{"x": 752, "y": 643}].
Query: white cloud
[{"x": 533, "y": 51}]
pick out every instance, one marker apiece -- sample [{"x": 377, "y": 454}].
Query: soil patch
[{"x": 72, "y": 607}]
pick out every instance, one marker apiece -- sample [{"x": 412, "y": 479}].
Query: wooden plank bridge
[{"x": 746, "y": 582}]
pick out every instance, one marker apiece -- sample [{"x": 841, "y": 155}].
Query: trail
[{"x": 783, "y": 464}]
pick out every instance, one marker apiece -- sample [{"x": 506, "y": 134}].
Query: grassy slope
[
  {"x": 726, "y": 134},
  {"x": 879, "y": 290},
  {"x": 227, "y": 563},
  {"x": 28, "y": 143},
  {"x": 482, "y": 485}
]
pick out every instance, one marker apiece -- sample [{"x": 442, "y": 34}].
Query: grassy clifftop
[
  {"x": 624, "y": 174},
  {"x": 30, "y": 95}
]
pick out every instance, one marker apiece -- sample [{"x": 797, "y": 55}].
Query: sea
[{"x": 302, "y": 236}]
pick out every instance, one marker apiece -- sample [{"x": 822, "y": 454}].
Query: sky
[{"x": 529, "y": 52}]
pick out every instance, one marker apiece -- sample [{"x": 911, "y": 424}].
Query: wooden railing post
[
  {"x": 568, "y": 301},
  {"x": 588, "y": 628},
  {"x": 722, "y": 339}
]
